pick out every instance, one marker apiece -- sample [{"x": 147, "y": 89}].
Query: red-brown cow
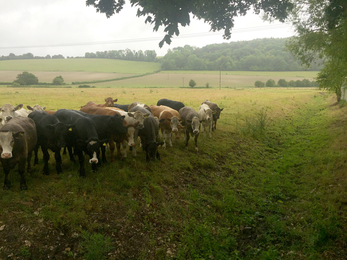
[{"x": 168, "y": 121}]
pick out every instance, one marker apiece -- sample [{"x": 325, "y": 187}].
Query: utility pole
[{"x": 220, "y": 79}]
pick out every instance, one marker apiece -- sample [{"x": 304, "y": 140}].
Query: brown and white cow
[
  {"x": 17, "y": 141},
  {"x": 206, "y": 117},
  {"x": 8, "y": 111},
  {"x": 168, "y": 122},
  {"x": 216, "y": 112},
  {"x": 191, "y": 121}
]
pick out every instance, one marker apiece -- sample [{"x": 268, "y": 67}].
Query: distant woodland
[{"x": 257, "y": 55}]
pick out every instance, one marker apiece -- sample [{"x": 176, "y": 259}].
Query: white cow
[
  {"x": 34, "y": 108},
  {"x": 206, "y": 116},
  {"x": 8, "y": 111}
]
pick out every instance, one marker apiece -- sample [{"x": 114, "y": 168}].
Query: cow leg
[
  {"x": 45, "y": 159},
  {"x": 36, "y": 159},
  {"x": 29, "y": 162},
  {"x": 72, "y": 156},
  {"x": 21, "y": 170},
  {"x": 169, "y": 138},
  {"x": 81, "y": 161},
  {"x": 186, "y": 138},
  {"x": 210, "y": 129},
  {"x": 7, "y": 183},
  {"x": 164, "y": 139},
  {"x": 157, "y": 155},
  {"x": 196, "y": 142},
  {"x": 124, "y": 148},
  {"x": 112, "y": 148},
  {"x": 58, "y": 161},
  {"x": 103, "y": 154}
]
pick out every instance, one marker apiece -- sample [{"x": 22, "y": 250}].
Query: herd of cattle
[{"x": 94, "y": 126}]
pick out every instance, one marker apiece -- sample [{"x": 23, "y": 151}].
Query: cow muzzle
[
  {"x": 196, "y": 131},
  {"x": 6, "y": 155},
  {"x": 8, "y": 118}
]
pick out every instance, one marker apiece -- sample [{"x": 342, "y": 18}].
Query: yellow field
[{"x": 246, "y": 102}]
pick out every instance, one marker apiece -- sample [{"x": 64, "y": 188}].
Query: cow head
[
  {"x": 151, "y": 149},
  {"x": 59, "y": 132},
  {"x": 195, "y": 125},
  {"x": 7, "y": 141},
  {"x": 8, "y": 112},
  {"x": 216, "y": 113},
  {"x": 91, "y": 147},
  {"x": 110, "y": 102},
  {"x": 36, "y": 108},
  {"x": 118, "y": 124},
  {"x": 140, "y": 117}
]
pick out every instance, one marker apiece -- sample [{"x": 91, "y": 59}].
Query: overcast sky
[{"x": 70, "y": 28}]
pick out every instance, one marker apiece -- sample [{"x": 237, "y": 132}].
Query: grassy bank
[{"x": 270, "y": 184}]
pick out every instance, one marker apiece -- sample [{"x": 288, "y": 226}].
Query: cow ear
[
  {"x": 18, "y": 107},
  {"x": 160, "y": 143},
  {"x": 30, "y": 108},
  {"x": 104, "y": 142},
  {"x": 214, "y": 111},
  {"x": 115, "y": 100},
  {"x": 18, "y": 135},
  {"x": 221, "y": 110},
  {"x": 130, "y": 114},
  {"x": 44, "y": 108},
  {"x": 122, "y": 117}
]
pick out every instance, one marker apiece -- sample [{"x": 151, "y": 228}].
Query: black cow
[
  {"x": 191, "y": 122},
  {"x": 83, "y": 137},
  {"x": 215, "y": 112},
  {"x": 177, "y": 105},
  {"x": 123, "y": 107},
  {"x": 51, "y": 134},
  {"x": 108, "y": 128},
  {"x": 149, "y": 136},
  {"x": 17, "y": 141}
]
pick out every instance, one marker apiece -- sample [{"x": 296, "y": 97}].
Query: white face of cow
[
  {"x": 174, "y": 124},
  {"x": 140, "y": 117},
  {"x": 8, "y": 112},
  {"x": 6, "y": 144},
  {"x": 195, "y": 125},
  {"x": 131, "y": 136}
]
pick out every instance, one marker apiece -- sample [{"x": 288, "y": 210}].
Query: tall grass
[{"x": 270, "y": 186}]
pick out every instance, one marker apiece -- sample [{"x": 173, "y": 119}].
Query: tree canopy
[
  {"x": 321, "y": 27},
  {"x": 171, "y": 14}
]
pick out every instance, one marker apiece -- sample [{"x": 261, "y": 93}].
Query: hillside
[{"x": 256, "y": 55}]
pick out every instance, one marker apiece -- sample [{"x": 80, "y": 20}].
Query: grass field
[
  {"x": 270, "y": 184},
  {"x": 78, "y": 70}
]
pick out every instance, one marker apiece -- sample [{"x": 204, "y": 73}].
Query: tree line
[
  {"x": 127, "y": 54},
  {"x": 257, "y": 55},
  {"x": 29, "y": 55}
]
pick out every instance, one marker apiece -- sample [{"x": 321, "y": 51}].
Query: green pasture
[
  {"x": 80, "y": 65},
  {"x": 107, "y": 73},
  {"x": 270, "y": 184}
]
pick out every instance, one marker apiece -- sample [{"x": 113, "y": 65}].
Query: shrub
[
  {"x": 282, "y": 83},
  {"x": 291, "y": 83},
  {"x": 26, "y": 78},
  {"x": 270, "y": 83},
  {"x": 259, "y": 84},
  {"x": 58, "y": 80},
  {"x": 207, "y": 85},
  {"x": 84, "y": 86},
  {"x": 192, "y": 83}
]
